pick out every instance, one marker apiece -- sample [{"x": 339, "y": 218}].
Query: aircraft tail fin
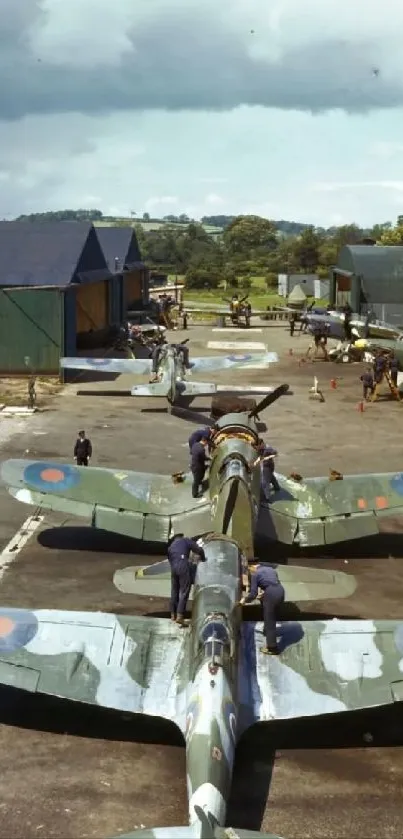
[{"x": 160, "y": 389}]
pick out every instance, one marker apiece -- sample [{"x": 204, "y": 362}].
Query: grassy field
[{"x": 258, "y": 295}]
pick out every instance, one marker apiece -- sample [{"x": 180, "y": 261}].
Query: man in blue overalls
[
  {"x": 265, "y": 578},
  {"x": 183, "y": 573}
]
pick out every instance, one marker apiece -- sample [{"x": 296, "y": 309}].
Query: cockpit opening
[{"x": 215, "y": 641}]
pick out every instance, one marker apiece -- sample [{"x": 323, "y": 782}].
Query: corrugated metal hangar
[
  {"x": 55, "y": 288},
  {"x": 123, "y": 258},
  {"x": 370, "y": 278}
]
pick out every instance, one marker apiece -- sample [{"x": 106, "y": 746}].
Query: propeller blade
[
  {"x": 230, "y": 505},
  {"x": 269, "y": 399}
]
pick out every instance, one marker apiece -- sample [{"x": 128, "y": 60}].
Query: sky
[{"x": 289, "y": 109}]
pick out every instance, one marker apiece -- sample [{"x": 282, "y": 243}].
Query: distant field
[{"x": 149, "y": 226}]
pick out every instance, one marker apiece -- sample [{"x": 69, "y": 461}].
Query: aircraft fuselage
[{"x": 212, "y": 705}]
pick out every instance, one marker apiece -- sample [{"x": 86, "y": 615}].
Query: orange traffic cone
[
  {"x": 290, "y": 351},
  {"x": 360, "y": 407},
  {"x": 333, "y": 384}
]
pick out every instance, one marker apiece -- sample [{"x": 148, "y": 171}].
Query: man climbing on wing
[
  {"x": 265, "y": 578},
  {"x": 157, "y": 350},
  {"x": 183, "y": 573}
]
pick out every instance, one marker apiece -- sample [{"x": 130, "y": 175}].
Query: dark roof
[
  {"x": 120, "y": 243},
  {"x": 50, "y": 254},
  {"x": 380, "y": 267}
]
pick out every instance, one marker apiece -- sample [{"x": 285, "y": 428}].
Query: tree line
[
  {"x": 248, "y": 246},
  {"x": 251, "y": 246}
]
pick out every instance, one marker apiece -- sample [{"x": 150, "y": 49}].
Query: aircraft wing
[
  {"x": 324, "y": 667},
  {"x": 319, "y": 511},
  {"x": 108, "y": 365},
  {"x": 227, "y": 362},
  {"x": 137, "y": 504},
  {"x": 299, "y": 583},
  {"x": 134, "y": 664}
]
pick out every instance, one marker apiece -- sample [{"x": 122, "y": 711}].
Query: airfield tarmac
[{"x": 63, "y": 777}]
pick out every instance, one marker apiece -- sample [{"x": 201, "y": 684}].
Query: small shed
[
  {"x": 297, "y": 297},
  {"x": 370, "y": 278},
  {"x": 287, "y": 282},
  {"x": 122, "y": 254},
  {"x": 54, "y": 288}
]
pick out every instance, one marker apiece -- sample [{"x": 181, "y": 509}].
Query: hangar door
[
  {"x": 134, "y": 285},
  {"x": 92, "y": 306},
  {"x": 343, "y": 289}
]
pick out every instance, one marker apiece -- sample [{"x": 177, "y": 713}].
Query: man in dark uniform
[
  {"x": 198, "y": 435},
  {"x": 265, "y": 578},
  {"x": 183, "y": 355},
  {"x": 393, "y": 368},
  {"x": 82, "y": 449},
  {"x": 367, "y": 379},
  {"x": 183, "y": 573},
  {"x": 158, "y": 347},
  {"x": 266, "y": 457},
  {"x": 380, "y": 368},
  {"x": 348, "y": 312},
  {"x": 293, "y": 320},
  {"x": 248, "y": 313},
  {"x": 198, "y": 464}
]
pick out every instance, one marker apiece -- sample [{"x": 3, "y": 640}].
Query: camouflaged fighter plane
[
  {"x": 211, "y": 679},
  {"x": 171, "y": 372},
  {"x": 307, "y": 512}
]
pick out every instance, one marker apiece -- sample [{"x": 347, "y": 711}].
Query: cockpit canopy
[{"x": 215, "y": 631}]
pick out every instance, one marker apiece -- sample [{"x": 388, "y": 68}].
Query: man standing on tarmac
[{"x": 82, "y": 449}]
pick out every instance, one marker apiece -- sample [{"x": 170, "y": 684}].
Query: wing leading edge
[
  {"x": 319, "y": 511},
  {"x": 136, "y": 504},
  {"x": 137, "y": 366},
  {"x": 132, "y": 664}
]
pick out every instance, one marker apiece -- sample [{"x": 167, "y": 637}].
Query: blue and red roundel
[
  {"x": 98, "y": 362},
  {"x": 397, "y": 483},
  {"x": 239, "y": 357},
  {"x": 17, "y": 628},
  {"x": 51, "y": 477}
]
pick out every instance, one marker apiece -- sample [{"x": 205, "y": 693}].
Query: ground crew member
[
  {"x": 82, "y": 449},
  {"x": 183, "y": 573},
  {"x": 198, "y": 465},
  {"x": 248, "y": 313},
  {"x": 293, "y": 320},
  {"x": 367, "y": 379},
  {"x": 198, "y": 435},
  {"x": 266, "y": 456},
  {"x": 265, "y": 578},
  {"x": 348, "y": 312},
  {"x": 183, "y": 353},
  {"x": 156, "y": 352},
  {"x": 393, "y": 369}
]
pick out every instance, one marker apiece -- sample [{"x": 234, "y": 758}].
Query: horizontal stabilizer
[
  {"x": 148, "y": 580},
  {"x": 195, "y": 832},
  {"x": 160, "y": 389},
  {"x": 315, "y": 583},
  {"x": 300, "y": 583}
]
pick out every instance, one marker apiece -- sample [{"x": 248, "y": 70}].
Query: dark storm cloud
[{"x": 185, "y": 61}]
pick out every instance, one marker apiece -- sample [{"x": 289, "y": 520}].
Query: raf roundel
[
  {"x": 239, "y": 357},
  {"x": 17, "y": 628},
  {"x": 51, "y": 477},
  {"x": 98, "y": 362},
  {"x": 397, "y": 483}
]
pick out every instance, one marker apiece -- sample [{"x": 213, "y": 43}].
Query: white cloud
[{"x": 151, "y": 104}]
